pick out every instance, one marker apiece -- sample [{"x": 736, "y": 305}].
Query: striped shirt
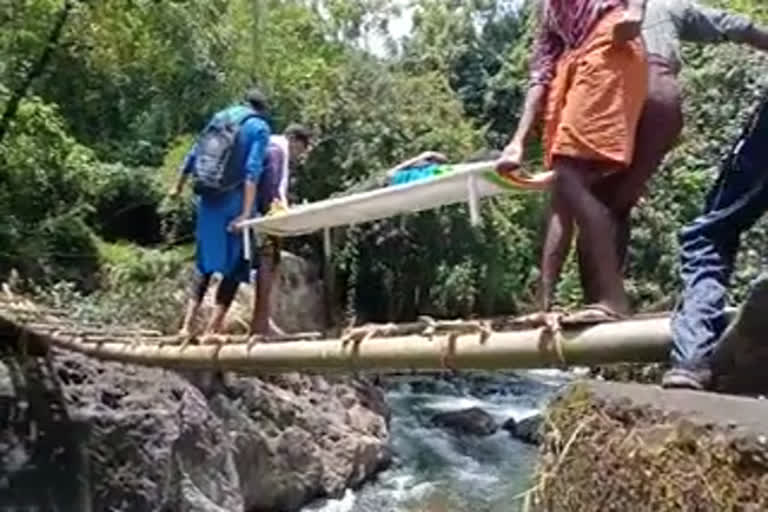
[
  {"x": 269, "y": 184},
  {"x": 564, "y": 24}
]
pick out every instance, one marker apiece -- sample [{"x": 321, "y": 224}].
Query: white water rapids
[{"x": 438, "y": 471}]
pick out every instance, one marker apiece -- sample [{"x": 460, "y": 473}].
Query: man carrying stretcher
[
  {"x": 589, "y": 76},
  {"x": 667, "y": 24}
]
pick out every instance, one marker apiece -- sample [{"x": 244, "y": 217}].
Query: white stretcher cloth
[{"x": 463, "y": 183}]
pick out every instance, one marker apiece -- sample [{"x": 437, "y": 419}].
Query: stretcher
[{"x": 463, "y": 183}]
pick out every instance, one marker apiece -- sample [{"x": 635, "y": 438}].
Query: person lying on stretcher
[
  {"x": 423, "y": 166},
  {"x": 387, "y": 178},
  {"x": 430, "y": 164}
]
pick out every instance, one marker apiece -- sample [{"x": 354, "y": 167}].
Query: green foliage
[
  {"x": 25, "y": 26},
  {"x": 125, "y": 264},
  {"x": 140, "y": 287},
  {"x": 753, "y": 8},
  {"x": 482, "y": 47},
  {"x": 91, "y": 153},
  {"x": 43, "y": 200},
  {"x": 134, "y": 74},
  {"x": 125, "y": 202},
  {"x": 457, "y": 290},
  {"x": 374, "y": 118}
]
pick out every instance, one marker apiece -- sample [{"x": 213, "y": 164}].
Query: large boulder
[
  {"x": 297, "y": 302},
  {"x": 78, "y": 434},
  {"x": 473, "y": 421},
  {"x": 527, "y": 429}
]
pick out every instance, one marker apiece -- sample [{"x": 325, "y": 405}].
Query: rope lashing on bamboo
[
  {"x": 552, "y": 341},
  {"x": 48, "y": 322},
  {"x": 554, "y": 328},
  {"x": 428, "y": 344},
  {"x": 451, "y": 328}
]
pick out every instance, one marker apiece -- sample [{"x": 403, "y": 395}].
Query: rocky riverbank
[{"x": 78, "y": 434}]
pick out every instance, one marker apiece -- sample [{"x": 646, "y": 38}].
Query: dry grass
[{"x": 617, "y": 457}]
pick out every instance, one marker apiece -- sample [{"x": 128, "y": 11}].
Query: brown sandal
[{"x": 594, "y": 314}]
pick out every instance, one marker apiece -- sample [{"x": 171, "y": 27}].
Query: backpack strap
[{"x": 250, "y": 114}]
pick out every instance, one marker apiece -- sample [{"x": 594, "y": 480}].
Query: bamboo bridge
[
  {"x": 426, "y": 345},
  {"x": 502, "y": 343}
]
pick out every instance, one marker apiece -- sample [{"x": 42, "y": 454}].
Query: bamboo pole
[{"x": 640, "y": 340}]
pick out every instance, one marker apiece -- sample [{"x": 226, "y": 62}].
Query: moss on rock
[
  {"x": 643, "y": 373},
  {"x": 603, "y": 454}
]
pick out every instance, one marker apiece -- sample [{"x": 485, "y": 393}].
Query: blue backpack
[{"x": 213, "y": 171}]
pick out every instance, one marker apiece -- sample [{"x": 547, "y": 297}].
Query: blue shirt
[
  {"x": 250, "y": 146},
  {"x": 219, "y": 250}
]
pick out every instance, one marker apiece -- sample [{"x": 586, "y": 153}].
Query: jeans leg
[{"x": 709, "y": 246}]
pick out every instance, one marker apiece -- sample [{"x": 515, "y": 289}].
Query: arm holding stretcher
[{"x": 547, "y": 49}]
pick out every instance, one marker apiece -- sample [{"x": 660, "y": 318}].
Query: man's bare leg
[
  {"x": 197, "y": 289},
  {"x": 225, "y": 294},
  {"x": 622, "y": 239},
  {"x": 657, "y": 132},
  {"x": 621, "y": 193},
  {"x": 587, "y": 275},
  {"x": 272, "y": 327},
  {"x": 187, "y": 327},
  {"x": 597, "y": 228},
  {"x": 262, "y": 293},
  {"x": 216, "y": 321},
  {"x": 557, "y": 244}
]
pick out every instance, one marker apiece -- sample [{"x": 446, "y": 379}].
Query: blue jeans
[{"x": 710, "y": 243}]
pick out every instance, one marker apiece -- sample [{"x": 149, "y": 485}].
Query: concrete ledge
[{"x": 631, "y": 447}]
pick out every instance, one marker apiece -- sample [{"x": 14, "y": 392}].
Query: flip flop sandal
[
  {"x": 530, "y": 319},
  {"x": 680, "y": 378},
  {"x": 593, "y": 314},
  {"x": 537, "y": 319}
]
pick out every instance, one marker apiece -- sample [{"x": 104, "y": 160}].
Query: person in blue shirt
[{"x": 219, "y": 244}]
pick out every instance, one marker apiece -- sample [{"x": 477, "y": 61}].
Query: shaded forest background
[{"x": 100, "y": 99}]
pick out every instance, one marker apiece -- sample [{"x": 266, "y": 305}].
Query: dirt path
[{"x": 750, "y": 414}]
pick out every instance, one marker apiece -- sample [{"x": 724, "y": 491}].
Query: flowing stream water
[{"x": 438, "y": 471}]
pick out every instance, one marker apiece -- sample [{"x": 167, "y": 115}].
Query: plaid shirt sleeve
[
  {"x": 275, "y": 164},
  {"x": 547, "y": 48}
]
